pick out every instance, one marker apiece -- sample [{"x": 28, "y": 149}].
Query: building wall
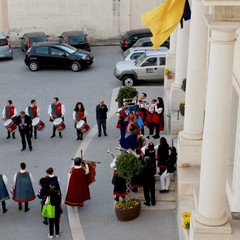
[{"x": 100, "y": 19}]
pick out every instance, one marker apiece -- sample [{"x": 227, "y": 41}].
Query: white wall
[{"x": 100, "y": 19}]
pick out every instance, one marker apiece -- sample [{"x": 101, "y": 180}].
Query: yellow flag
[{"x": 163, "y": 19}]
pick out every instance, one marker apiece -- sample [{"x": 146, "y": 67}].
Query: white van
[{"x": 134, "y": 52}]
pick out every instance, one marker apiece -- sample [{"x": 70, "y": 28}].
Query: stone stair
[{"x": 164, "y": 201}]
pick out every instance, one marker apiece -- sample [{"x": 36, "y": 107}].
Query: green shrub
[{"x": 126, "y": 92}]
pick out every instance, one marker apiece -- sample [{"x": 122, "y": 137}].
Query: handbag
[{"x": 48, "y": 210}]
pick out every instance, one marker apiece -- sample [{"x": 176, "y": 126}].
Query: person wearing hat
[
  {"x": 24, "y": 123},
  {"x": 78, "y": 185}
]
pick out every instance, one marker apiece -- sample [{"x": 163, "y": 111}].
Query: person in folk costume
[
  {"x": 120, "y": 189},
  {"x": 3, "y": 192},
  {"x": 23, "y": 192},
  {"x": 166, "y": 176},
  {"x": 79, "y": 113},
  {"x": 43, "y": 193},
  {"x": 162, "y": 155},
  {"x": 158, "y": 117},
  {"x": 142, "y": 109},
  {"x": 33, "y": 111},
  {"x": 55, "y": 200},
  {"x": 24, "y": 123},
  {"x": 149, "y": 151},
  {"x": 149, "y": 118},
  {"x": 129, "y": 139},
  {"x": 148, "y": 182},
  {"x": 78, "y": 186},
  {"x": 9, "y": 112},
  {"x": 122, "y": 111},
  {"x": 56, "y": 110},
  {"x": 53, "y": 181}
]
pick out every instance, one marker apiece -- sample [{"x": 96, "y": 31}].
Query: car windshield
[
  {"x": 68, "y": 48},
  {"x": 125, "y": 53},
  {"x": 140, "y": 58},
  {"x": 38, "y": 39},
  {"x": 76, "y": 40}
]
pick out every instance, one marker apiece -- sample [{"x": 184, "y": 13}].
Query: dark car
[
  {"x": 5, "y": 47},
  {"x": 77, "y": 39},
  {"x": 130, "y": 37},
  {"x": 57, "y": 55},
  {"x": 33, "y": 37},
  {"x": 146, "y": 42}
]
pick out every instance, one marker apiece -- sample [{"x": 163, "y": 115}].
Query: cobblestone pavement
[{"x": 97, "y": 217}]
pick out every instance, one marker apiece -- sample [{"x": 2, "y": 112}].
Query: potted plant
[
  {"x": 168, "y": 73},
  {"x": 128, "y": 165},
  {"x": 125, "y": 92},
  {"x": 182, "y": 104}
]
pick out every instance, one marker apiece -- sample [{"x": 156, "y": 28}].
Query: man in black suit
[
  {"x": 101, "y": 115},
  {"x": 24, "y": 123}
]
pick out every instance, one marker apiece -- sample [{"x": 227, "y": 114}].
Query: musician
[
  {"x": 24, "y": 123},
  {"x": 9, "y": 112},
  {"x": 123, "y": 113},
  {"x": 149, "y": 118},
  {"x": 79, "y": 113},
  {"x": 33, "y": 111},
  {"x": 101, "y": 115},
  {"x": 130, "y": 139},
  {"x": 142, "y": 109},
  {"x": 119, "y": 183},
  {"x": 78, "y": 186},
  {"x": 56, "y": 110},
  {"x": 158, "y": 117}
]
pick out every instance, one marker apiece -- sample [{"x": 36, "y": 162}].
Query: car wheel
[
  {"x": 128, "y": 81},
  {"x": 33, "y": 66},
  {"x": 76, "y": 67}
]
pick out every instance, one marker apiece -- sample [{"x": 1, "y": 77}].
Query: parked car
[
  {"x": 57, "y": 55},
  {"x": 146, "y": 42},
  {"x": 33, "y": 37},
  {"x": 134, "y": 52},
  {"x": 5, "y": 47},
  {"x": 77, "y": 39},
  {"x": 130, "y": 37},
  {"x": 148, "y": 66}
]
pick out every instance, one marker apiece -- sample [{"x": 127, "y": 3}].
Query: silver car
[
  {"x": 5, "y": 47},
  {"x": 148, "y": 66}
]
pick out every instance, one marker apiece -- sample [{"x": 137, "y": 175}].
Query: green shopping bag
[{"x": 48, "y": 210}]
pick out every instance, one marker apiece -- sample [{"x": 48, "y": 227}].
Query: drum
[
  {"x": 83, "y": 126},
  {"x": 36, "y": 122},
  {"x": 59, "y": 124},
  {"x": 10, "y": 125}
]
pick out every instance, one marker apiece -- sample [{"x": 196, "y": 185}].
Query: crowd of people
[
  {"x": 49, "y": 192},
  {"x": 29, "y": 123},
  {"x": 134, "y": 116}
]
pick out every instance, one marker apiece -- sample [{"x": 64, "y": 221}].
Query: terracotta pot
[
  {"x": 182, "y": 109},
  {"x": 128, "y": 214}
]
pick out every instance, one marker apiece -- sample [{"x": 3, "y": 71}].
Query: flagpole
[{"x": 129, "y": 14}]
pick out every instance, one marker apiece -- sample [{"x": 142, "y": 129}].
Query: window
[
  {"x": 150, "y": 62},
  {"x": 3, "y": 42},
  {"x": 56, "y": 51},
  {"x": 162, "y": 61},
  {"x": 41, "y": 50}
]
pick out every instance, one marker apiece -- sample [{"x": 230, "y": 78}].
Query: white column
[
  {"x": 182, "y": 53},
  {"x": 212, "y": 196},
  {"x": 176, "y": 94},
  {"x": 190, "y": 143},
  {"x": 171, "y": 60}
]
